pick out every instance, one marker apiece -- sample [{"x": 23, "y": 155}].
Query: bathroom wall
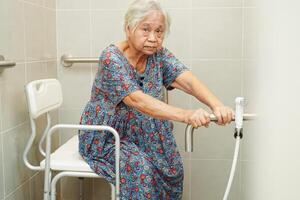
[
  {"x": 252, "y": 92},
  {"x": 271, "y": 150},
  {"x": 206, "y": 35},
  {"x": 28, "y": 37}
]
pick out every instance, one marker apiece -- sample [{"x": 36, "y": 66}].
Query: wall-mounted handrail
[
  {"x": 6, "y": 63},
  {"x": 67, "y": 60},
  {"x": 189, "y": 130}
]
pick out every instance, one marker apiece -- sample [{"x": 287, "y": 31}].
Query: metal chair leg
[
  {"x": 47, "y": 185},
  {"x": 113, "y": 197},
  {"x": 81, "y": 194},
  {"x": 69, "y": 174}
]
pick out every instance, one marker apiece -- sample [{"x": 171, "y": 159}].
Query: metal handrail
[
  {"x": 67, "y": 60},
  {"x": 189, "y": 130},
  {"x": 6, "y": 63}
]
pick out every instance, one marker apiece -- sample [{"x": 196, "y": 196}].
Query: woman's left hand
[{"x": 224, "y": 114}]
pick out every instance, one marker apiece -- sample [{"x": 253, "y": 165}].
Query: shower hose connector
[{"x": 238, "y": 132}]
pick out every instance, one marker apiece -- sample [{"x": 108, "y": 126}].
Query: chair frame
[{"x": 49, "y": 182}]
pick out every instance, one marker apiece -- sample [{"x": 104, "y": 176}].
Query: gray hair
[{"x": 140, "y": 9}]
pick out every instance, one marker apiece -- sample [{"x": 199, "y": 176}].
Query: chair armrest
[{"x": 84, "y": 127}]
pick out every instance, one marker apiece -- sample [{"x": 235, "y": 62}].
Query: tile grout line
[
  {"x": 25, "y": 43},
  {"x": 210, "y": 8},
  {"x": 242, "y": 93},
  {"x": 168, "y": 8},
  {"x": 243, "y": 47},
  {"x": 17, "y": 126},
  {"x": 3, "y": 170},
  {"x": 240, "y": 179},
  {"x": 3, "y": 174},
  {"x": 91, "y": 37},
  {"x": 56, "y": 38},
  {"x": 190, "y": 107},
  {"x": 45, "y": 17},
  {"x": 87, "y": 9},
  {"x": 36, "y": 5},
  {"x": 21, "y": 185},
  {"x": 9, "y": 129}
]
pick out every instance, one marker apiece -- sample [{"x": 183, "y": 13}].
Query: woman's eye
[{"x": 159, "y": 33}]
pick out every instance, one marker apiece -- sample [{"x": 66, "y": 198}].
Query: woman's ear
[{"x": 127, "y": 31}]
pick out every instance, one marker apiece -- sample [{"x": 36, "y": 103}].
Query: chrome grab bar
[
  {"x": 189, "y": 130},
  {"x": 6, "y": 63},
  {"x": 67, "y": 60}
]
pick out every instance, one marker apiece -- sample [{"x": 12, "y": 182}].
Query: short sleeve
[
  {"x": 171, "y": 68},
  {"x": 114, "y": 79}
]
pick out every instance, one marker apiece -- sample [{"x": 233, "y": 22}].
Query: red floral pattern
[{"x": 150, "y": 164}]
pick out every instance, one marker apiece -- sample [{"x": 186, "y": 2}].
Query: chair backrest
[{"x": 43, "y": 95}]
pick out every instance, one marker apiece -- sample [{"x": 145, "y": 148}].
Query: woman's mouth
[{"x": 150, "y": 47}]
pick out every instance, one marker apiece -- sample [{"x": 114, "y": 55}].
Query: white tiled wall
[
  {"x": 250, "y": 91},
  {"x": 210, "y": 179},
  {"x": 206, "y": 35},
  {"x": 28, "y": 37},
  {"x": 217, "y": 33},
  {"x": 270, "y": 165}
]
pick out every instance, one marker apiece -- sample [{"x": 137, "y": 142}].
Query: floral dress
[{"x": 150, "y": 164}]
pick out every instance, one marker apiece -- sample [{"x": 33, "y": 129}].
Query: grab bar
[
  {"x": 189, "y": 130},
  {"x": 67, "y": 60},
  {"x": 6, "y": 63}
]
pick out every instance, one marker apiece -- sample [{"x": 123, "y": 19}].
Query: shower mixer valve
[{"x": 239, "y": 112}]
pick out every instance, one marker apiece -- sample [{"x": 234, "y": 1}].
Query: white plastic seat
[
  {"x": 66, "y": 159},
  {"x": 44, "y": 96}
]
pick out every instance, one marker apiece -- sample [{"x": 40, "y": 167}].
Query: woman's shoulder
[
  {"x": 111, "y": 52},
  {"x": 164, "y": 53}
]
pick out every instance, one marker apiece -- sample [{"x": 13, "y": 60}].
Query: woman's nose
[{"x": 152, "y": 37}]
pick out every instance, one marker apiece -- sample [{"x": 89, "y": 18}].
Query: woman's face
[{"x": 149, "y": 34}]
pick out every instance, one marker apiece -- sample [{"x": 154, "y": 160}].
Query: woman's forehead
[{"x": 154, "y": 19}]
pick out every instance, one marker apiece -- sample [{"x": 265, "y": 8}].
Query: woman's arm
[
  {"x": 190, "y": 84},
  {"x": 158, "y": 109}
]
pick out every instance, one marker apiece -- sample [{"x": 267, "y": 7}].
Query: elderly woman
[{"x": 127, "y": 95}]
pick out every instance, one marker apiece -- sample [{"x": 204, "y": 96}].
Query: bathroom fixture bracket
[{"x": 5, "y": 63}]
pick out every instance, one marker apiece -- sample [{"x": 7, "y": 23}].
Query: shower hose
[{"x": 238, "y": 134}]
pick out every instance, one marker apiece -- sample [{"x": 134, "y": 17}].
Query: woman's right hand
[{"x": 197, "y": 118}]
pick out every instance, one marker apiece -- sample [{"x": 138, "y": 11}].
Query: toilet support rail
[{"x": 189, "y": 130}]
